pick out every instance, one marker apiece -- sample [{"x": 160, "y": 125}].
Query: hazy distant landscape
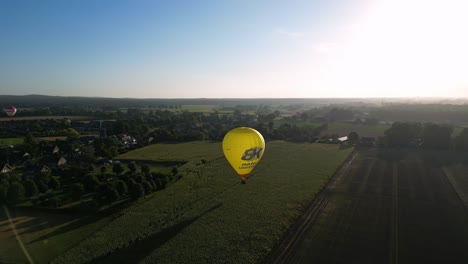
[{"x": 124, "y": 179}]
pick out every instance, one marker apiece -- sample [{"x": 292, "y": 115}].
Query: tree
[
  {"x": 3, "y": 193},
  {"x": 15, "y": 193},
  {"x": 139, "y": 178},
  {"x": 77, "y": 191},
  {"x": 402, "y": 134},
  {"x": 41, "y": 185},
  {"x": 353, "y": 137},
  {"x": 106, "y": 193},
  {"x": 461, "y": 141},
  {"x": 132, "y": 167},
  {"x": 90, "y": 182},
  {"x": 31, "y": 188},
  {"x": 54, "y": 202},
  {"x": 54, "y": 183},
  {"x": 117, "y": 168},
  {"x": 121, "y": 187},
  {"x": 137, "y": 191},
  {"x": 72, "y": 135},
  {"x": 436, "y": 136},
  {"x": 103, "y": 170},
  {"x": 147, "y": 186},
  {"x": 87, "y": 157},
  {"x": 145, "y": 169}
]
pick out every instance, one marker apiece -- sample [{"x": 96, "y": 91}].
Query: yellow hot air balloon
[{"x": 243, "y": 147}]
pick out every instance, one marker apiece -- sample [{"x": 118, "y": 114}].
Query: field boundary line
[
  {"x": 17, "y": 236},
  {"x": 394, "y": 219},
  {"x": 292, "y": 239},
  {"x": 461, "y": 195}
]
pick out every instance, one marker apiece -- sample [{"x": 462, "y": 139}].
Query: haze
[{"x": 241, "y": 49}]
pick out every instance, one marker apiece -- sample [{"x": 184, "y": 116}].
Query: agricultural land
[
  {"x": 388, "y": 206},
  {"x": 208, "y": 215}
]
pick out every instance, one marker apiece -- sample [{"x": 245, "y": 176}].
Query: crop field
[
  {"x": 390, "y": 206},
  {"x": 44, "y": 235},
  {"x": 182, "y": 152},
  {"x": 208, "y": 216},
  {"x": 11, "y": 141}
]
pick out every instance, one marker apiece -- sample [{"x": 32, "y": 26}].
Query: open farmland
[
  {"x": 183, "y": 152},
  {"x": 19, "y": 118},
  {"x": 208, "y": 216},
  {"x": 390, "y": 206}
]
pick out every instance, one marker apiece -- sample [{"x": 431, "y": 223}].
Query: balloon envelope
[
  {"x": 10, "y": 111},
  {"x": 243, "y": 148}
]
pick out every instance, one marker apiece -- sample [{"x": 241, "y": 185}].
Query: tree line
[{"x": 425, "y": 135}]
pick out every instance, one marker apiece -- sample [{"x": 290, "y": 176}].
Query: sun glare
[{"x": 404, "y": 48}]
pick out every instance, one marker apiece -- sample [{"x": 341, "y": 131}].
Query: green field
[
  {"x": 208, "y": 216},
  {"x": 393, "y": 206},
  {"x": 11, "y": 141}
]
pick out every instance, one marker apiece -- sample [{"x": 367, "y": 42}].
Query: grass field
[
  {"x": 393, "y": 206},
  {"x": 11, "y": 141},
  {"x": 3, "y": 119},
  {"x": 208, "y": 216}
]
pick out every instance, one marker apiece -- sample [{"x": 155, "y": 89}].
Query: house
[
  {"x": 62, "y": 161},
  {"x": 45, "y": 169},
  {"x": 6, "y": 168},
  {"x": 55, "y": 150},
  {"x": 343, "y": 139}
]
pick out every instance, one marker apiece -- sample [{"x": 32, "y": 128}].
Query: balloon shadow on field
[{"x": 137, "y": 251}]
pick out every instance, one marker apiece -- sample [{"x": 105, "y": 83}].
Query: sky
[{"x": 234, "y": 49}]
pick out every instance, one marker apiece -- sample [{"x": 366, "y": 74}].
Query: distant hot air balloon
[
  {"x": 243, "y": 148},
  {"x": 10, "y": 111}
]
